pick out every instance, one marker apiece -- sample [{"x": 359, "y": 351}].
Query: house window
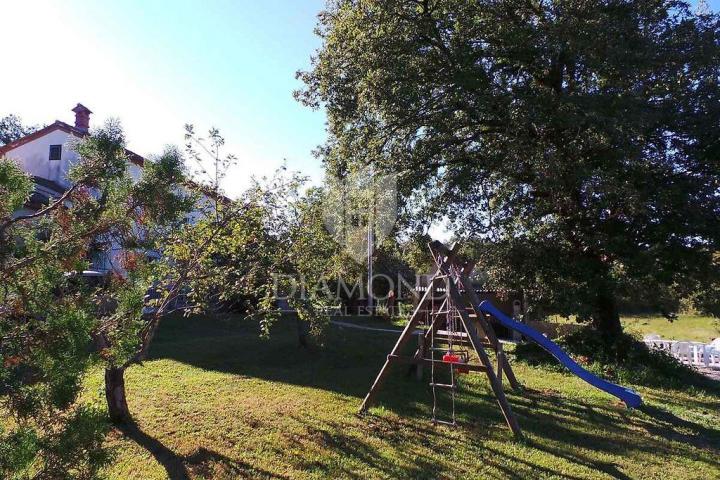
[{"x": 55, "y": 152}]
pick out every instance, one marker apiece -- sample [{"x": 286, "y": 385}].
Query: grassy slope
[
  {"x": 686, "y": 327},
  {"x": 217, "y": 402}
]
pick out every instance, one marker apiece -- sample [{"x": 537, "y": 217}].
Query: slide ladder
[{"x": 630, "y": 397}]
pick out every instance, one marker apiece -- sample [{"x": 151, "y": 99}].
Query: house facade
[{"x": 47, "y": 156}]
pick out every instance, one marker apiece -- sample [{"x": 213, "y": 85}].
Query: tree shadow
[
  {"x": 671, "y": 427},
  {"x": 171, "y": 461},
  {"x": 335, "y": 438},
  {"x": 235, "y": 347},
  {"x": 202, "y": 459},
  {"x": 198, "y": 463},
  {"x": 574, "y": 423},
  {"x": 347, "y": 364}
]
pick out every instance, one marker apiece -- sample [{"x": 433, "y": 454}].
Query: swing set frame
[{"x": 453, "y": 273}]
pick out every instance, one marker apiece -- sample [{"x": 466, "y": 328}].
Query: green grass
[
  {"x": 215, "y": 401},
  {"x": 697, "y": 328},
  {"x": 686, "y": 327},
  {"x": 374, "y": 321}
]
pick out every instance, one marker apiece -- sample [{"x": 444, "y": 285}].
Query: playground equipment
[
  {"x": 628, "y": 396},
  {"x": 450, "y": 342},
  {"x": 466, "y": 325}
]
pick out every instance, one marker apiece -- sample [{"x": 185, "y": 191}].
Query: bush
[{"x": 624, "y": 360}]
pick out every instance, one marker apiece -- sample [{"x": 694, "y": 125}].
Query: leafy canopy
[{"x": 576, "y": 140}]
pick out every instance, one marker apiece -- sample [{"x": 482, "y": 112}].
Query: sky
[{"x": 157, "y": 65}]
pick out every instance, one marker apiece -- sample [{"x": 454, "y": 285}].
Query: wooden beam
[
  {"x": 472, "y": 298},
  {"x": 428, "y": 361},
  {"x": 407, "y": 331},
  {"x": 485, "y": 360},
  {"x": 421, "y": 350}
]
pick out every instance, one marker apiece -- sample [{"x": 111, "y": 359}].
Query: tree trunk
[
  {"x": 607, "y": 318},
  {"x": 303, "y": 330},
  {"x": 115, "y": 395}
]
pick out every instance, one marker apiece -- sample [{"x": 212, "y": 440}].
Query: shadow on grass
[
  {"x": 346, "y": 363},
  {"x": 199, "y": 463},
  {"x": 668, "y": 425},
  {"x": 335, "y": 437},
  {"x": 554, "y": 424},
  {"x": 171, "y": 462},
  {"x": 565, "y": 428}
]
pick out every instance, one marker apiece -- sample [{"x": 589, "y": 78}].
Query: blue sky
[{"x": 159, "y": 64}]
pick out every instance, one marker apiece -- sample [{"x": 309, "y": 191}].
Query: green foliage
[
  {"x": 121, "y": 330},
  {"x": 577, "y": 139},
  {"x": 15, "y": 187},
  {"x": 50, "y": 318},
  {"x": 246, "y": 253},
  {"x": 12, "y": 128},
  {"x": 706, "y": 297},
  {"x": 416, "y": 254}
]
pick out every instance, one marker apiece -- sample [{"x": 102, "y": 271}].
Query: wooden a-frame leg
[
  {"x": 509, "y": 373},
  {"x": 485, "y": 360},
  {"x": 420, "y": 353},
  {"x": 500, "y": 356},
  {"x": 503, "y": 366},
  {"x": 471, "y": 297},
  {"x": 404, "y": 337}
]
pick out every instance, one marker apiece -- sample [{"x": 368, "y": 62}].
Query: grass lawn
[
  {"x": 215, "y": 401},
  {"x": 686, "y": 327},
  {"x": 697, "y": 328}
]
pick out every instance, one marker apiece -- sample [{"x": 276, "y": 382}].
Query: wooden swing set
[{"x": 454, "y": 329}]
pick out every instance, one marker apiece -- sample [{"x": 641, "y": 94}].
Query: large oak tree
[{"x": 576, "y": 139}]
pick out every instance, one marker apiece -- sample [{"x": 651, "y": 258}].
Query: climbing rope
[
  {"x": 431, "y": 322},
  {"x": 450, "y": 313}
]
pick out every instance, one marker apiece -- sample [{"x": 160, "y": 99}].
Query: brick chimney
[{"x": 82, "y": 117}]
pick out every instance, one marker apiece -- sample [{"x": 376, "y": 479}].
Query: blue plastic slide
[{"x": 631, "y": 399}]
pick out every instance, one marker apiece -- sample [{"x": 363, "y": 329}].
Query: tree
[
  {"x": 242, "y": 253},
  {"x": 268, "y": 244},
  {"x": 44, "y": 334},
  {"x": 49, "y": 314},
  {"x": 12, "y": 128},
  {"x": 184, "y": 247},
  {"x": 576, "y": 139}
]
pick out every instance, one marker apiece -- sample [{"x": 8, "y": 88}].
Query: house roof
[
  {"x": 138, "y": 160},
  {"x": 49, "y": 184},
  {"x": 58, "y": 125},
  {"x": 44, "y": 191}
]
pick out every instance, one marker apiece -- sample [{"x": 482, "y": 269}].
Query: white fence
[{"x": 694, "y": 353}]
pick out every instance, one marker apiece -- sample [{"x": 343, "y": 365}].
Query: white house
[{"x": 47, "y": 156}]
